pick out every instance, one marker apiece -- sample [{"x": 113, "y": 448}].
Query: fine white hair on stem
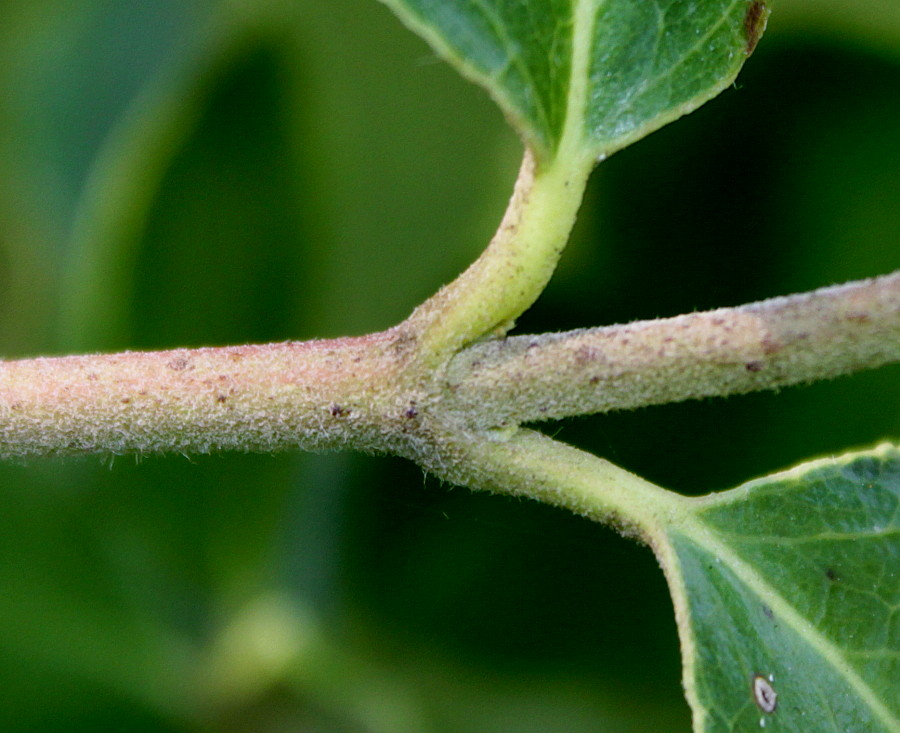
[{"x": 766, "y": 345}]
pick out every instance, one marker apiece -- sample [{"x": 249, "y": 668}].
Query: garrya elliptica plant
[{"x": 786, "y": 589}]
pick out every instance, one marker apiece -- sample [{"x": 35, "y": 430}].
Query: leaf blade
[
  {"x": 498, "y": 45},
  {"x": 603, "y": 73},
  {"x": 654, "y": 62},
  {"x": 755, "y": 579}
]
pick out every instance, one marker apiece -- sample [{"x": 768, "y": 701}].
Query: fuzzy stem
[
  {"x": 525, "y": 463},
  {"x": 765, "y": 345},
  {"x": 517, "y": 264},
  {"x": 373, "y": 393},
  {"x": 313, "y": 395}
]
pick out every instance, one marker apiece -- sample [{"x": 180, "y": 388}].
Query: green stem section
[
  {"x": 516, "y": 266},
  {"x": 520, "y": 462}
]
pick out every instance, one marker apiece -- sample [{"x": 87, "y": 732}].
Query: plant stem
[
  {"x": 765, "y": 345},
  {"x": 374, "y": 393},
  {"x": 313, "y": 395},
  {"x": 517, "y": 264},
  {"x": 525, "y": 463}
]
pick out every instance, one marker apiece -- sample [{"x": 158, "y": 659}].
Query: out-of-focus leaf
[{"x": 874, "y": 25}]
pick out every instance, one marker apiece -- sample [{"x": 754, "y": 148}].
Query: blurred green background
[{"x": 186, "y": 172}]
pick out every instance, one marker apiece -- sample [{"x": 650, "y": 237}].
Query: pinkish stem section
[
  {"x": 765, "y": 345},
  {"x": 372, "y": 393},
  {"x": 312, "y": 395}
]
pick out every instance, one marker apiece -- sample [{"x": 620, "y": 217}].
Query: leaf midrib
[{"x": 573, "y": 137}]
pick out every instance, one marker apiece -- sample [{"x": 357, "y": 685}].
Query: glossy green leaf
[
  {"x": 788, "y": 596},
  {"x": 602, "y": 72}
]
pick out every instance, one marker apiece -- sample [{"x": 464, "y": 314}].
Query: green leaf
[
  {"x": 601, "y": 73},
  {"x": 790, "y": 585}
]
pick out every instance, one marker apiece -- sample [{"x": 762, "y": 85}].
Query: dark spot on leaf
[
  {"x": 411, "y": 411},
  {"x": 339, "y": 411},
  {"x": 768, "y": 612},
  {"x": 754, "y": 24},
  {"x": 753, "y": 366},
  {"x": 832, "y": 575},
  {"x": 125, "y": 400},
  {"x": 220, "y": 398}
]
